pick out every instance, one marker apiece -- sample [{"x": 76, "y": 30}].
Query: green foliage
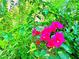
[{"x": 16, "y": 40}]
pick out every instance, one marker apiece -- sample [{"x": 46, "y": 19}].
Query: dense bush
[{"x": 16, "y": 24}]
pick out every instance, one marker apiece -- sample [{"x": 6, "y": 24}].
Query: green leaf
[
  {"x": 75, "y": 27},
  {"x": 54, "y": 57},
  {"x": 42, "y": 53},
  {"x": 45, "y": 11},
  {"x": 43, "y": 45},
  {"x": 32, "y": 47},
  {"x": 67, "y": 30},
  {"x": 37, "y": 53},
  {"x": 39, "y": 28},
  {"x": 22, "y": 31},
  {"x": 63, "y": 55},
  {"x": 37, "y": 37},
  {"x": 67, "y": 48},
  {"x": 1, "y": 52},
  {"x": 1, "y": 19},
  {"x": 3, "y": 44},
  {"x": 77, "y": 40},
  {"x": 50, "y": 57},
  {"x": 7, "y": 36}
]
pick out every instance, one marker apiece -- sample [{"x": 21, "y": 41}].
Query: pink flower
[
  {"x": 35, "y": 32},
  {"x": 58, "y": 39},
  {"x": 44, "y": 37},
  {"x": 57, "y": 25},
  {"x": 50, "y": 44},
  {"x": 45, "y": 34},
  {"x": 46, "y": 30},
  {"x": 52, "y": 28}
]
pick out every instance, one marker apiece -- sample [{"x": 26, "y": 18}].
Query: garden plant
[{"x": 39, "y": 29}]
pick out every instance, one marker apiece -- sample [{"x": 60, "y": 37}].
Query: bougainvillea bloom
[
  {"x": 37, "y": 42},
  {"x": 52, "y": 28},
  {"x": 35, "y": 32},
  {"x": 57, "y": 25},
  {"x": 58, "y": 39},
  {"x": 50, "y": 44},
  {"x": 44, "y": 37},
  {"x": 46, "y": 30},
  {"x": 45, "y": 34}
]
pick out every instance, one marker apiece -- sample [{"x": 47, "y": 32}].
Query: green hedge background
[{"x": 16, "y": 23}]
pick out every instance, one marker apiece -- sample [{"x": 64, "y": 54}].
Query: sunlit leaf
[
  {"x": 3, "y": 44},
  {"x": 63, "y": 55},
  {"x": 67, "y": 48},
  {"x": 32, "y": 47},
  {"x": 37, "y": 53},
  {"x": 42, "y": 53}
]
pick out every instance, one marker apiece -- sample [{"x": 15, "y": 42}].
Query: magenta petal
[
  {"x": 60, "y": 36},
  {"x": 58, "y": 44},
  {"x": 44, "y": 37},
  {"x": 50, "y": 44},
  {"x": 45, "y": 34},
  {"x": 57, "y": 25},
  {"x": 35, "y": 32},
  {"x": 46, "y": 30},
  {"x": 60, "y": 26},
  {"x": 52, "y": 28},
  {"x": 58, "y": 39}
]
